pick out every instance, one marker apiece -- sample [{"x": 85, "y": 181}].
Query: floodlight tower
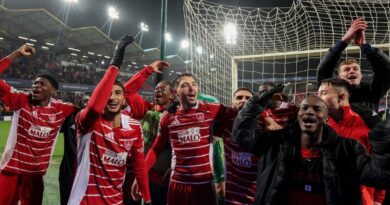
[{"x": 113, "y": 14}]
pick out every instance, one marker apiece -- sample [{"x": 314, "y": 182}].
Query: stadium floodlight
[
  {"x": 49, "y": 44},
  {"x": 184, "y": 44},
  {"x": 74, "y": 49},
  {"x": 45, "y": 47},
  {"x": 91, "y": 53},
  {"x": 1, "y": 38},
  {"x": 230, "y": 33},
  {"x": 212, "y": 56},
  {"x": 103, "y": 62},
  {"x": 71, "y": 1},
  {"x": 199, "y": 50},
  {"x": 113, "y": 13},
  {"x": 73, "y": 54},
  {"x": 33, "y": 40},
  {"x": 144, "y": 27},
  {"x": 168, "y": 37}
]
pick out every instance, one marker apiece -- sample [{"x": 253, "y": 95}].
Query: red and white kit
[
  {"x": 103, "y": 152},
  {"x": 30, "y": 143},
  {"x": 33, "y": 131},
  {"x": 189, "y": 134},
  {"x": 241, "y": 170}
]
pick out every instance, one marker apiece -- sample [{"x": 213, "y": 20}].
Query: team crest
[
  {"x": 34, "y": 113},
  {"x": 52, "y": 117},
  {"x": 128, "y": 145},
  {"x": 200, "y": 117}
]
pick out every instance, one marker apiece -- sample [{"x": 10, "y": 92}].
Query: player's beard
[{"x": 109, "y": 113}]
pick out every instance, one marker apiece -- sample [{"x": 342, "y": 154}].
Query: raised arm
[
  {"x": 246, "y": 130},
  {"x": 380, "y": 63},
  {"x": 330, "y": 60},
  {"x": 138, "y": 105},
  {"x": 24, "y": 50},
  {"x": 90, "y": 115}
]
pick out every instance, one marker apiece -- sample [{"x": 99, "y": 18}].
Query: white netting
[{"x": 275, "y": 45}]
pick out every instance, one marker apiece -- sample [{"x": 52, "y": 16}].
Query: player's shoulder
[{"x": 57, "y": 102}]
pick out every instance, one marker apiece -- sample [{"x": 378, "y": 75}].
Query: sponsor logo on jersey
[
  {"x": 189, "y": 135},
  {"x": 110, "y": 136},
  {"x": 52, "y": 117},
  {"x": 39, "y": 131},
  {"x": 113, "y": 158},
  {"x": 128, "y": 144},
  {"x": 242, "y": 159},
  {"x": 175, "y": 121},
  {"x": 200, "y": 117}
]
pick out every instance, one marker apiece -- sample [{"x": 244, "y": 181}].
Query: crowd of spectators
[{"x": 47, "y": 62}]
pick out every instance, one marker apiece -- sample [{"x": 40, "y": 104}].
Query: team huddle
[{"x": 332, "y": 149}]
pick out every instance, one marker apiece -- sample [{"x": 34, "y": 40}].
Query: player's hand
[
  {"x": 266, "y": 96},
  {"x": 356, "y": 25},
  {"x": 26, "y": 50},
  {"x": 271, "y": 124},
  {"x": 159, "y": 66},
  {"x": 119, "y": 52},
  {"x": 135, "y": 193},
  {"x": 360, "y": 38}
]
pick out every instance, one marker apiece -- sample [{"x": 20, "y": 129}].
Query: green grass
[{"x": 51, "y": 194}]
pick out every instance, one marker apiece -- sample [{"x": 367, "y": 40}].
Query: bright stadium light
[
  {"x": 199, "y": 50},
  {"x": 144, "y": 27},
  {"x": 184, "y": 44},
  {"x": 71, "y": 1},
  {"x": 230, "y": 33},
  {"x": 113, "y": 13},
  {"x": 168, "y": 37}
]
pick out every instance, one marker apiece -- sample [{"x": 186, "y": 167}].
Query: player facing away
[
  {"x": 108, "y": 138},
  {"x": 241, "y": 166},
  {"x": 35, "y": 125},
  {"x": 188, "y": 130}
]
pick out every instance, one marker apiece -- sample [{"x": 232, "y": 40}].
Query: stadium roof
[{"x": 41, "y": 27}]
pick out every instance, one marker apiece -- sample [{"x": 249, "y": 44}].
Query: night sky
[{"x": 132, "y": 13}]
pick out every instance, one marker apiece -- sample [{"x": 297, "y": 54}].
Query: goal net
[{"x": 235, "y": 47}]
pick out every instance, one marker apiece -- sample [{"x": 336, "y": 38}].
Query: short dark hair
[
  {"x": 166, "y": 82},
  {"x": 52, "y": 80},
  {"x": 242, "y": 88},
  {"x": 338, "y": 83},
  {"x": 176, "y": 82},
  {"x": 269, "y": 84},
  {"x": 120, "y": 84}
]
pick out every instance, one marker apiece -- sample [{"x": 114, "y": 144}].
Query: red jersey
[
  {"x": 189, "y": 135},
  {"x": 241, "y": 170},
  {"x": 282, "y": 116},
  {"x": 33, "y": 132},
  {"x": 103, "y": 151},
  {"x": 353, "y": 126}
]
